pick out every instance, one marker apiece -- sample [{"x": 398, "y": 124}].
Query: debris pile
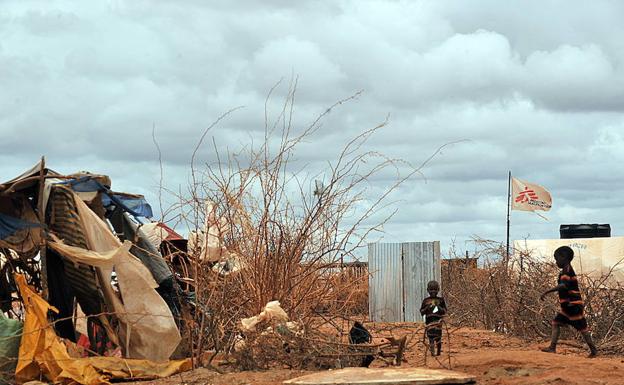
[{"x": 84, "y": 279}]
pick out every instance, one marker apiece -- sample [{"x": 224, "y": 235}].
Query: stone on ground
[{"x": 385, "y": 376}]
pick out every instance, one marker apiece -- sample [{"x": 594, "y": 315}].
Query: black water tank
[{"x": 585, "y": 231}]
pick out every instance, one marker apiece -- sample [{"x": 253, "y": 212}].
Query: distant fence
[
  {"x": 354, "y": 301},
  {"x": 350, "y": 270}
]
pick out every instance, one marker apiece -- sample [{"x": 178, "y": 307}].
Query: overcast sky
[{"x": 532, "y": 87}]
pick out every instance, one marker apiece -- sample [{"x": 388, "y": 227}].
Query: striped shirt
[{"x": 570, "y": 295}]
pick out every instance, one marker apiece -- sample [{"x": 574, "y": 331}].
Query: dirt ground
[{"x": 491, "y": 357}]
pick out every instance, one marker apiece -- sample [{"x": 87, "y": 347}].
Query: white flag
[{"x": 529, "y": 197}]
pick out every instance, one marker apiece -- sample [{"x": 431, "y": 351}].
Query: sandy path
[{"x": 492, "y": 358}]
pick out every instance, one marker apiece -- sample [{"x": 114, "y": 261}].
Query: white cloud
[{"x": 534, "y": 87}]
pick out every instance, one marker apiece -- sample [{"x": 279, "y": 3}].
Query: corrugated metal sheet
[
  {"x": 421, "y": 262},
  {"x": 399, "y": 273},
  {"x": 385, "y": 282},
  {"x": 65, "y": 223}
]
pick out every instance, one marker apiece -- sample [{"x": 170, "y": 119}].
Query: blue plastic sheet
[
  {"x": 136, "y": 206},
  {"x": 10, "y": 225},
  {"x": 86, "y": 184}
]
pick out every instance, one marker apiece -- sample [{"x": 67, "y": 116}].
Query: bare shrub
[
  {"x": 286, "y": 238},
  {"x": 503, "y": 295}
]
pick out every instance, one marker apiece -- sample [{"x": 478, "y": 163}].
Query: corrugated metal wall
[
  {"x": 421, "y": 264},
  {"x": 399, "y": 273},
  {"x": 385, "y": 288}
]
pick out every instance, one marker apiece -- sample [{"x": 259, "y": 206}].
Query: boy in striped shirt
[{"x": 571, "y": 312}]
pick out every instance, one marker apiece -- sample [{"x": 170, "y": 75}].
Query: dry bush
[
  {"x": 354, "y": 302},
  {"x": 310, "y": 348},
  {"x": 503, "y": 295},
  {"x": 287, "y": 238}
]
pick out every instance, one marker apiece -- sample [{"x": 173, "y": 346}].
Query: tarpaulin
[
  {"x": 207, "y": 243},
  {"x": 148, "y": 252},
  {"x": 147, "y": 323},
  {"x": 88, "y": 257},
  {"x": 20, "y": 229},
  {"x": 86, "y": 183},
  {"x": 134, "y": 204},
  {"x": 154, "y": 233},
  {"x": 157, "y": 232},
  {"x": 594, "y": 257},
  {"x": 150, "y": 331},
  {"x": 27, "y": 179},
  {"x": 42, "y": 353},
  {"x": 33, "y": 171},
  {"x": 10, "y": 225},
  {"x": 271, "y": 312},
  {"x": 145, "y": 250},
  {"x": 147, "y": 327},
  {"x": 10, "y": 332}
]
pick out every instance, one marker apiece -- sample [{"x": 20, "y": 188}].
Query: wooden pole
[
  {"x": 43, "y": 243},
  {"x": 508, "y": 212}
]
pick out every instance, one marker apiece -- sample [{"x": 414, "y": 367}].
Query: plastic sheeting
[
  {"x": 206, "y": 243},
  {"x": 149, "y": 330},
  {"x": 271, "y": 312},
  {"x": 157, "y": 232},
  {"x": 88, "y": 257},
  {"x": 136, "y": 205},
  {"x": 86, "y": 183},
  {"x": 593, "y": 257},
  {"x": 42, "y": 353},
  {"x": 10, "y": 225},
  {"x": 145, "y": 250},
  {"x": 26, "y": 180},
  {"x": 19, "y": 226},
  {"x": 10, "y": 332},
  {"x": 154, "y": 233}
]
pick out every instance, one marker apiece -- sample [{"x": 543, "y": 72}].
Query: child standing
[
  {"x": 434, "y": 309},
  {"x": 571, "y": 312}
]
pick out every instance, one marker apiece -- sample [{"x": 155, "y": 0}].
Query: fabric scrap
[
  {"x": 150, "y": 330},
  {"x": 42, "y": 353},
  {"x": 10, "y": 332}
]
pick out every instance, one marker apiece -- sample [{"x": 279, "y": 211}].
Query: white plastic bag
[{"x": 272, "y": 312}]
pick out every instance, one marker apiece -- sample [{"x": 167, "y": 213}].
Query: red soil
[{"x": 491, "y": 357}]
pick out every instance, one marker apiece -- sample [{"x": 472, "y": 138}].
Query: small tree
[{"x": 287, "y": 236}]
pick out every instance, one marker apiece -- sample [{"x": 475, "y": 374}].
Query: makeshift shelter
[{"x": 88, "y": 249}]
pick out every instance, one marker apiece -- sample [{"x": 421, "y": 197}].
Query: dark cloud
[{"x": 533, "y": 87}]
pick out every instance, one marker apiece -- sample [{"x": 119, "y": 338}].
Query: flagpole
[{"x": 508, "y": 211}]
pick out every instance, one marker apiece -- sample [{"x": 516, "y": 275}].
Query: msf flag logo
[{"x": 529, "y": 197}]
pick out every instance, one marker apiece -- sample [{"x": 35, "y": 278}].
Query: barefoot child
[
  {"x": 571, "y": 312},
  {"x": 433, "y": 308}
]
